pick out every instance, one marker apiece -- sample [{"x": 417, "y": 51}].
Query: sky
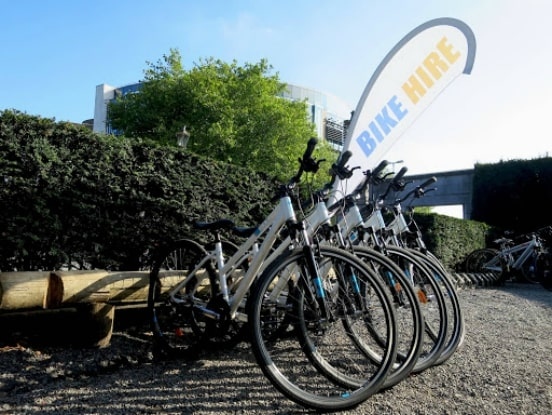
[{"x": 54, "y": 54}]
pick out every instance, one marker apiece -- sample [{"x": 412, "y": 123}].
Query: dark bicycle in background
[{"x": 527, "y": 257}]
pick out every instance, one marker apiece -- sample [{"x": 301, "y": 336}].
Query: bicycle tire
[
  {"x": 532, "y": 270},
  {"x": 547, "y": 280},
  {"x": 352, "y": 298},
  {"x": 408, "y": 313},
  {"x": 173, "y": 334},
  {"x": 182, "y": 326},
  {"x": 228, "y": 332},
  {"x": 432, "y": 304},
  {"x": 312, "y": 367},
  {"x": 456, "y": 326},
  {"x": 450, "y": 279},
  {"x": 476, "y": 260}
]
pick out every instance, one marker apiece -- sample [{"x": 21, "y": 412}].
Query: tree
[{"x": 233, "y": 113}]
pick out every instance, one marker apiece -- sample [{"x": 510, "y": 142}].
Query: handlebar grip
[
  {"x": 400, "y": 174},
  {"x": 429, "y": 181},
  {"x": 343, "y": 159},
  {"x": 379, "y": 168},
  {"x": 310, "y": 148},
  {"x": 338, "y": 168},
  {"x": 306, "y": 164}
]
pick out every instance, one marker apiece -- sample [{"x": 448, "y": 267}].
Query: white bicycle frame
[
  {"x": 315, "y": 219},
  {"x": 514, "y": 256},
  {"x": 376, "y": 222},
  {"x": 257, "y": 252}
]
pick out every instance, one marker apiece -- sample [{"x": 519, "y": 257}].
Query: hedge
[
  {"x": 452, "y": 239},
  {"x": 514, "y": 195},
  {"x": 69, "y": 195}
]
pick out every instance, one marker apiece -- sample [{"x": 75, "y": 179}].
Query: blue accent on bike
[
  {"x": 354, "y": 281},
  {"x": 319, "y": 289},
  {"x": 390, "y": 278}
]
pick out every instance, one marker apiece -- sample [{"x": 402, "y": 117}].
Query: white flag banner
[{"x": 404, "y": 84}]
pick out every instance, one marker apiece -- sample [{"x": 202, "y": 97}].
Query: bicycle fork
[
  {"x": 316, "y": 279},
  {"x": 346, "y": 292}
]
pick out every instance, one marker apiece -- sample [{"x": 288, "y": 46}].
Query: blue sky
[{"x": 54, "y": 53}]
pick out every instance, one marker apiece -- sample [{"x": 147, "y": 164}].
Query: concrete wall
[{"x": 451, "y": 188}]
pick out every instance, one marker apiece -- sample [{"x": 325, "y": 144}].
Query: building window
[{"x": 335, "y": 132}]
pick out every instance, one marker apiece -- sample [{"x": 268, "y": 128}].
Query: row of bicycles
[{"x": 336, "y": 303}]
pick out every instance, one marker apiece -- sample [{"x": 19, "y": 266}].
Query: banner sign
[{"x": 404, "y": 84}]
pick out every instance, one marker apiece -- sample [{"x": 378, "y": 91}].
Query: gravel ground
[{"x": 504, "y": 367}]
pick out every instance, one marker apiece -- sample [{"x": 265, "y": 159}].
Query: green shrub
[
  {"x": 451, "y": 239},
  {"x": 513, "y": 195},
  {"x": 69, "y": 194}
]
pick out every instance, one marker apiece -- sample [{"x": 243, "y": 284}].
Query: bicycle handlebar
[
  {"x": 396, "y": 182},
  {"x": 310, "y": 148},
  {"x": 371, "y": 177},
  {"x": 398, "y": 177},
  {"x": 379, "y": 168},
  {"x": 344, "y": 172},
  {"x": 306, "y": 163},
  {"x": 419, "y": 190},
  {"x": 429, "y": 181},
  {"x": 338, "y": 169}
]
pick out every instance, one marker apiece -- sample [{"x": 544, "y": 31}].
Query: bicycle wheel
[
  {"x": 431, "y": 303},
  {"x": 533, "y": 268},
  {"x": 224, "y": 331},
  {"x": 476, "y": 260},
  {"x": 320, "y": 366},
  {"x": 170, "y": 311},
  {"x": 408, "y": 313},
  {"x": 188, "y": 313},
  {"x": 545, "y": 269},
  {"x": 455, "y": 328}
]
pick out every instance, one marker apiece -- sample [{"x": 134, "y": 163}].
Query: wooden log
[
  {"x": 119, "y": 287},
  {"x": 128, "y": 287},
  {"x": 73, "y": 287},
  {"x": 49, "y": 290},
  {"x": 94, "y": 295},
  {"x": 97, "y": 324},
  {"x": 85, "y": 325},
  {"x": 23, "y": 290}
]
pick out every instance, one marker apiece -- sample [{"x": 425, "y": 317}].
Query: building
[
  {"x": 329, "y": 113},
  {"x": 104, "y": 94}
]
